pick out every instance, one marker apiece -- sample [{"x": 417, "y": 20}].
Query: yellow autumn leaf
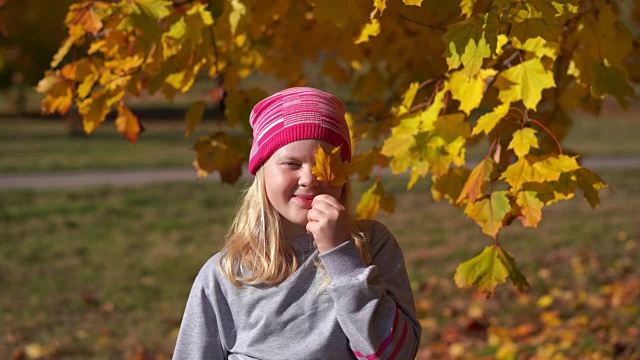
[
  {"x": 538, "y": 46},
  {"x": 372, "y": 28},
  {"x": 490, "y": 212},
  {"x": 525, "y": 82},
  {"x": 530, "y": 208},
  {"x": 378, "y": 7},
  {"x": 489, "y": 120},
  {"x": 58, "y": 93},
  {"x": 330, "y": 168},
  {"x": 219, "y": 152},
  {"x": 518, "y": 173},
  {"x": 61, "y": 53},
  {"x": 489, "y": 269},
  {"x": 470, "y": 91},
  {"x": 93, "y": 109},
  {"x": 237, "y": 12},
  {"x": 374, "y": 199},
  {"x": 476, "y": 182},
  {"x": 469, "y": 42},
  {"x": 466, "y": 7},
  {"x": 412, "y": 2},
  {"x": 159, "y": 9},
  {"x": 523, "y": 140},
  {"x": 408, "y": 97},
  {"x": 193, "y": 117},
  {"x": 128, "y": 124}
]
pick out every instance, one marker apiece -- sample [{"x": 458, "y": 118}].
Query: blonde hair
[{"x": 255, "y": 252}]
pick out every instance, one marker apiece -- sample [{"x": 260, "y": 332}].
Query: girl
[{"x": 297, "y": 277}]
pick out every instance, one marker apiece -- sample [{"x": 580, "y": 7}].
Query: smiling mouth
[{"x": 306, "y": 200}]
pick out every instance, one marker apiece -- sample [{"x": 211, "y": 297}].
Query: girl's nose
[{"x": 307, "y": 178}]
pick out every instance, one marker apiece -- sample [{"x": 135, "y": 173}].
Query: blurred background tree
[{"x": 32, "y": 31}]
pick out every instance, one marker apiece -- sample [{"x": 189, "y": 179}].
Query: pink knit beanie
[{"x": 296, "y": 114}]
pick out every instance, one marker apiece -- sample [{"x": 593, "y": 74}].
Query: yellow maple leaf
[
  {"x": 489, "y": 120},
  {"x": 94, "y": 109},
  {"x": 128, "y": 124},
  {"x": 469, "y": 42},
  {"x": 490, "y": 212},
  {"x": 407, "y": 98},
  {"x": 489, "y": 269},
  {"x": 239, "y": 10},
  {"x": 378, "y": 6},
  {"x": 530, "y": 207},
  {"x": 525, "y": 82},
  {"x": 538, "y": 46},
  {"x": 518, "y": 173},
  {"x": 372, "y": 28},
  {"x": 470, "y": 91},
  {"x": 58, "y": 91},
  {"x": 412, "y": 2},
  {"x": 156, "y": 8},
  {"x": 466, "y": 7},
  {"x": 374, "y": 199},
  {"x": 477, "y": 180},
  {"x": 523, "y": 140},
  {"x": 331, "y": 168},
  {"x": 219, "y": 152}
]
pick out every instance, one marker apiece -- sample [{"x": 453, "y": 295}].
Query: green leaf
[{"x": 489, "y": 269}]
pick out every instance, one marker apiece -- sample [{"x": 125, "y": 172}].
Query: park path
[{"x": 138, "y": 177}]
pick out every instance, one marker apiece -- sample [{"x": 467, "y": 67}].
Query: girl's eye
[{"x": 292, "y": 164}]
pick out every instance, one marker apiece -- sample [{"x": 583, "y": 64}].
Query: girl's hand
[{"x": 328, "y": 222}]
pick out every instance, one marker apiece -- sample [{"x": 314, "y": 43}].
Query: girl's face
[{"x": 291, "y": 186}]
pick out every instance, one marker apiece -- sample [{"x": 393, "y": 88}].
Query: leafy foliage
[{"x": 459, "y": 72}]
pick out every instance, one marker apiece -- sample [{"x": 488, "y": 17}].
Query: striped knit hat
[{"x": 296, "y": 114}]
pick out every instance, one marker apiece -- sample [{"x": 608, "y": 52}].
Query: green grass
[
  {"x": 104, "y": 272},
  {"x": 44, "y": 145},
  {"x": 31, "y": 145}
]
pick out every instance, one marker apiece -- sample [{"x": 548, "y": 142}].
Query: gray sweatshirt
[{"x": 366, "y": 312}]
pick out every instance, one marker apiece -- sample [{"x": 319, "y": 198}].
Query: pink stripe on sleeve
[{"x": 385, "y": 343}]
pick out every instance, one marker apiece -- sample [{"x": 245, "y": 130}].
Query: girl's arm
[
  {"x": 374, "y": 304},
  {"x": 199, "y": 337}
]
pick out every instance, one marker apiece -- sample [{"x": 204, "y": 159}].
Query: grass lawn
[{"x": 104, "y": 272}]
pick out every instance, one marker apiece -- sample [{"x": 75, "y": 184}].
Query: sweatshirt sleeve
[
  {"x": 199, "y": 337},
  {"x": 374, "y": 304}
]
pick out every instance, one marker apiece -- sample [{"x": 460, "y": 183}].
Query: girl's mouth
[{"x": 306, "y": 200}]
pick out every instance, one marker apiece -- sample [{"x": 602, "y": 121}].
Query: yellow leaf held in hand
[{"x": 330, "y": 168}]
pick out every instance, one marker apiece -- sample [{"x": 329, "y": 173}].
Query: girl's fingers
[{"x": 327, "y": 199}]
